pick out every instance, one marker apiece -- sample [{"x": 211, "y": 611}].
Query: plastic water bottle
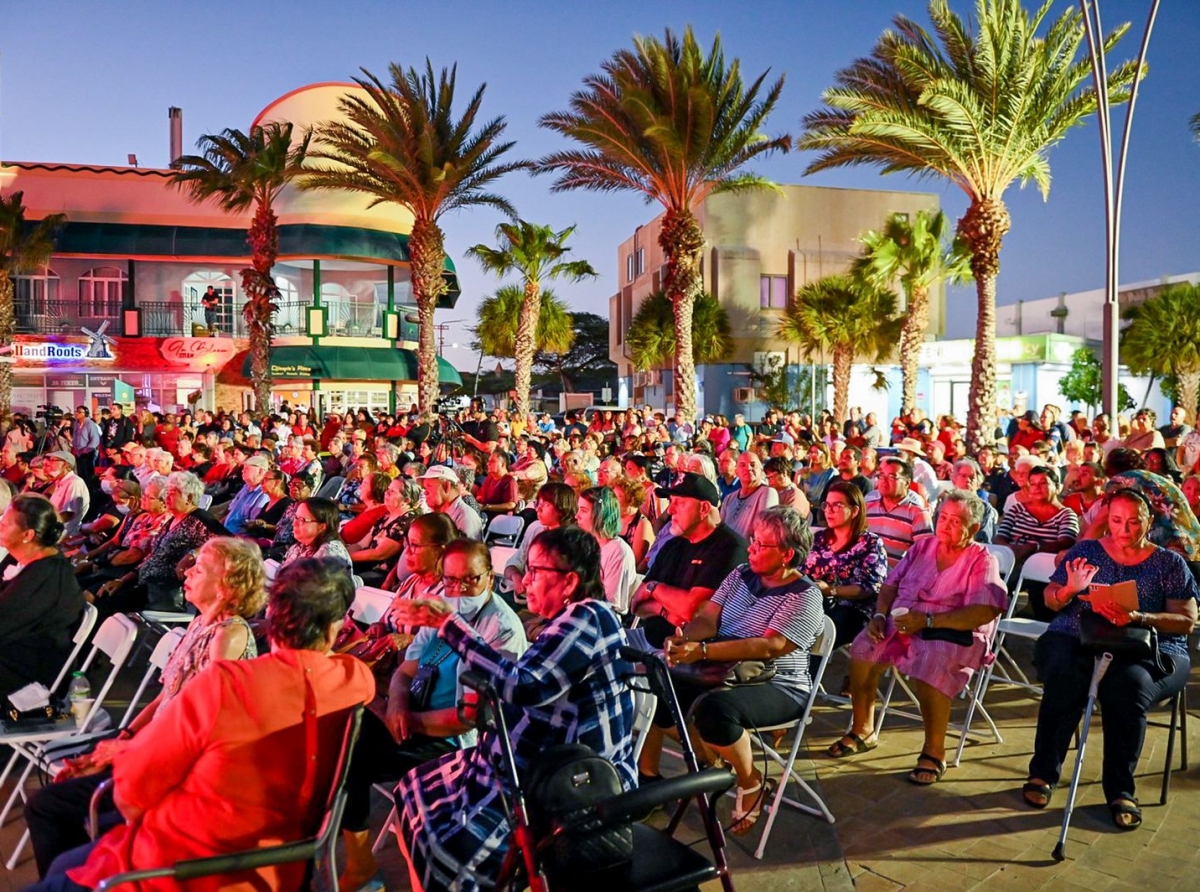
[
  {"x": 80, "y": 688},
  {"x": 79, "y": 697}
]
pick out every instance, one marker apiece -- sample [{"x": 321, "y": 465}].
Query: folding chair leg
[
  {"x": 18, "y": 790},
  {"x": 16, "y": 855},
  {"x": 1183, "y": 731},
  {"x": 387, "y": 828},
  {"x": 1166, "y": 780},
  {"x": 881, "y": 713}
]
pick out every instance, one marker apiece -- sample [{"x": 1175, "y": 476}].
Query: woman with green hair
[{"x": 600, "y": 515}]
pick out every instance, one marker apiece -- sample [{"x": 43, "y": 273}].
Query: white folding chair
[
  {"x": 371, "y": 604},
  {"x": 644, "y": 705},
  {"x": 1038, "y": 568},
  {"x": 115, "y": 639},
  {"x": 1005, "y": 557},
  {"x": 205, "y": 502},
  {"x": 270, "y": 568},
  {"x": 500, "y": 556},
  {"x": 505, "y": 529},
  {"x": 54, "y": 753},
  {"x": 87, "y": 622},
  {"x": 822, "y": 650}
]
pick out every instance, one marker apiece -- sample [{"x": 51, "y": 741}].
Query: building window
[
  {"x": 773, "y": 292},
  {"x": 162, "y": 320},
  {"x": 36, "y": 293},
  {"x": 288, "y": 319},
  {"x": 101, "y": 292},
  {"x": 641, "y": 262},
  {"x": 629, "y": 268}
]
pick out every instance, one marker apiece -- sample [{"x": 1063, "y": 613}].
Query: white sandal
[{"x": 744, "y": 817}]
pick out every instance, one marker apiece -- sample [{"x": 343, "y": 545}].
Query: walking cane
[{"x": 1102, "y": 661}]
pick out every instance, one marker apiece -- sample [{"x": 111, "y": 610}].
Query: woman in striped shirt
[
  {"x": 1040, "y": 523},
  {"x": 765, "y": 610}
]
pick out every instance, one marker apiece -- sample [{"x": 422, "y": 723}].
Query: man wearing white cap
[
  {"x": 442, "y": 495},
  {"x": 923, "y": 474},
  {"x": 69, "y": 494}
]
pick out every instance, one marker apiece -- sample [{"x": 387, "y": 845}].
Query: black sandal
[
  {"x": 914, "y": 776},
  {"x": 840, "y": 749},
  {"x": 1031, "y": 789},
  {"x": 1120, "y": 808}
]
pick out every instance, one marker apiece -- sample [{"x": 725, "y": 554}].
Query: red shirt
[
  {"x": 242, "y": 757},
  {"x": 497, "y": 490},
  {"x": 168, "y": 439},
  {"x": 356, "y": 528}
]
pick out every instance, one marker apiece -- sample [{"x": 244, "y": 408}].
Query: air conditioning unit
[
  {"x": 656, "y": 378},
  {"x": 743, "y": 395}
]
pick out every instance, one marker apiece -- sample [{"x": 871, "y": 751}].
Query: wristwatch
[{"x": 929, "y": 620}]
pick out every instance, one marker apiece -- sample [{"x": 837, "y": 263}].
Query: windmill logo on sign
[{"x": 99, "y": 342}]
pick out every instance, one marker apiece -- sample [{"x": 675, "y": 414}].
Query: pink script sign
[{"x": 198, "y": 353}]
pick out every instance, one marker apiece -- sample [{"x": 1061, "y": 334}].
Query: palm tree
[
  {"x": 1163, "y": 338},
  {"x": 537, "y": 253},
  {"x": 241, "y": 171},
  {"x": 915, "y": 252},
  {"x": 652, "y": 332},
  {"x": 402, "y": 143},
  {"x": 981, "y": 108},
  {"x": 668, "y": 122},
  {"x": 24, "y": 247},
  {"x": 844, "y": 318},
  {"x": 498, "y": 328}
]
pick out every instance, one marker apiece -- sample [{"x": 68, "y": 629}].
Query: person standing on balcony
[
  {"x": 211, "y": 302},
  {"x": 84, "y": 443}
]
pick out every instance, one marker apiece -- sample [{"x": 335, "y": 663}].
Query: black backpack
[{"x": 561, "y": 790}]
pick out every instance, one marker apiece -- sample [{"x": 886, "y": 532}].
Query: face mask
[
  {"x": 122, "y": 509},
  {"x": 469, "y": 605},
  {"x": 107, "y": 486}
]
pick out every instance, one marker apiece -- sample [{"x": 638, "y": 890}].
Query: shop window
[
  {"x": 289, "y": 319},
  {"x": 192, "y": 289},
  {"x": 101, "y": 292}
]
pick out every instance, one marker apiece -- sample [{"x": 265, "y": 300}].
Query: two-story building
[
  {"x": 760, "y": 247},
  {"x": 120, "y": 300}
]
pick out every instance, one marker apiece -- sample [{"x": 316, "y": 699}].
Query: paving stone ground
[{"x": 969, "y": 832}]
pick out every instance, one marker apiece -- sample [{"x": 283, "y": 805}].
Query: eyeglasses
[
  {"x": 756, "y": 543},
  {"x": 305, "y": 520},
  {"x": 840, "y": 506},
  {"x": 533, "y": 570},
  {"x": 417, "y": 546},
  {"x": 457, "y": 582},
  {"x": 890, "y": 477}
]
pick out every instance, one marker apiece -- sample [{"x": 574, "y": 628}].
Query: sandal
[
  {"x": 841, "y": 749},
  {"x": 1125, "y": 808},
  {"x": 743, "y": 818},
  {"x": 1037, "y": 795},
  {"x": 917, "y": 775}
]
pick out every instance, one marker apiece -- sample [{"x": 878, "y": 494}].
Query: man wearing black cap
[{"x": 687, "y": 571}]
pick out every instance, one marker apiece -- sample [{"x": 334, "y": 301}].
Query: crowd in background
[{"x": 723, "y": 540}]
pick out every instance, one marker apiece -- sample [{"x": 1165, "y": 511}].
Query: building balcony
[{"x": 36, "y": 316}]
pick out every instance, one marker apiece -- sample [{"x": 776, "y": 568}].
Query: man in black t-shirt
[
  {"x": 482, "y": 433},
  {"x": 850, "y": 470},
  {"x": 690, "y": 567}
]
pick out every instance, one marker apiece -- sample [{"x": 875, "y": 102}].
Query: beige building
[{"x": 760, "y": 248}]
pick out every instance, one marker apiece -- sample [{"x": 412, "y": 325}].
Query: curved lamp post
[{"x": 1113, "y": 186}]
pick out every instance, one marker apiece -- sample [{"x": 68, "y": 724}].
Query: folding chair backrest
[
  {"x": 115, "y": 640},
  {"x": 1038, "y": 567},
  {"x": 944, "y": 486},
  {"x": 644, "y": 705},
  {"x": 158, "y": 661},
  {"x": 1005, "y": 557},
  {"x": 205, "y": 502},
  {"x": 270, "y": 567},
  {"x": 371, "y": 604},
  {"x": 507, "y": 527},
  {"x": 500, "y": 555},
  {"x": 330, "y": 487},
  {"x": 87, "y": 622}
]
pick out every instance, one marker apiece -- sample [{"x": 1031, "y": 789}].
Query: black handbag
[
  {"x": 1098, "y": 635},
  {"x": 961, "y": 637},
  {"x": 723, "y": 673},
  {"x": 562, "y": 789},
  {"x": 420, "y": 689}
]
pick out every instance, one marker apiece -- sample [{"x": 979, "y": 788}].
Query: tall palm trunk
[
  {"x": 912, "y": 336},
  {"x": 7, "y": 324},
  {"x": 524, "y": 347},
  {"x": 1189, "y": 393},
  {"x": 682, "y": 242},
  {"x": 843, "y": 359},
  {"x": 261, "y": 292},
  {"x": 427, "y": 255},
  {"x": 983, "y": 228}
]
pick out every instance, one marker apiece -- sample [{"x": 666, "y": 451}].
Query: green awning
[
  {"x": 351, "y": 364},
  {"x": 296, "y": 240}
]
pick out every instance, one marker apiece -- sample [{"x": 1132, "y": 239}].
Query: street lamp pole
[{"x": 1113, "y": 187}]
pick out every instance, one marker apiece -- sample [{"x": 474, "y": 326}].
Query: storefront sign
[
  {"x": 291, "y": 371},
  {"x": 48, "y": 351},
  {"x": 66, "y": 381},
  {"x": 199, "y": 354},
  {"x": 102, "y": 381}
]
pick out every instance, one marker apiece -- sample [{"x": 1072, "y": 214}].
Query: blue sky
[{"x": 91, "y": 82}]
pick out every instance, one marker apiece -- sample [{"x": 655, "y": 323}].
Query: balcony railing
[
  {"x": 35, "y": 316},
  {"x": 162, "y": 319}
]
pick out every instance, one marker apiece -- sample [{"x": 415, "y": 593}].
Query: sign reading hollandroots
[{"x": 45, "y": 350}]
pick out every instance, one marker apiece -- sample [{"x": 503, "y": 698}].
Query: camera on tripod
[{"x": 49, "y": 413}]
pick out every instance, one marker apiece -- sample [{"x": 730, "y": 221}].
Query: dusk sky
[{"x": 91, "y": 82}]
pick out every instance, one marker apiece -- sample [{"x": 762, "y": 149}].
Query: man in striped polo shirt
[{"x": 894, "y": 513}]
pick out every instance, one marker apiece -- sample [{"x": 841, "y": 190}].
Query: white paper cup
[
  {"x": 80, "y": 709},
  {"x": 899, "y": 611}
]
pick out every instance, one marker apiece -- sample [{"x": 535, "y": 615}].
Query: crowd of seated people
[{"x": 722, "y": 541}]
